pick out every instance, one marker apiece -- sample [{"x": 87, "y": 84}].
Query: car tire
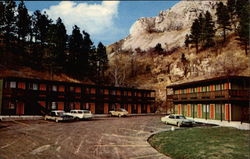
[
  {"x": 45, "y": 118},
  {"x": 166, "y": 122},
  {"x": 57, "y": 120},
  {"x": 119, "y": 115}
]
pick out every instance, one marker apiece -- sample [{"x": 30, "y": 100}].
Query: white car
[
  {"x": 119, "y": 112},
  {"x": 80, "y": 114},
  {"x": 177, "y": 119},
  {"x": 58, "y": 115}
]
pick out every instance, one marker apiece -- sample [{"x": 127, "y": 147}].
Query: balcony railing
[{"x": 224, "y": 94}]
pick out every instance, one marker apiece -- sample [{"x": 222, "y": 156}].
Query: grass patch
[{"x": 206, "y": 142}]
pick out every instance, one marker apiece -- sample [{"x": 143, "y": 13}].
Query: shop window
[{"x": 12, "y": 84}]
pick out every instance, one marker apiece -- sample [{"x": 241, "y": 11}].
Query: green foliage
[
  {"x": 223, "y": 19},
  {"x": 243, "y": 28},
  {"x": 23, "y": 21},
  {"x": 208, "y": 31},
  {"x": 158, "y": 48},
  {"x": 195, "y": 33},
  {"x": 9, "y": 20}
]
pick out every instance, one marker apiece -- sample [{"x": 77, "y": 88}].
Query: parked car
[
  {"x": 58, "y": 115},
  {"x": 177, "y": 119},
  {"x": 80, "y": 114},
  {"x": 119, "y": 112}
]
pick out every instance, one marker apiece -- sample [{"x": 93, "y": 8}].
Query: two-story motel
[
  {"x": 220, "y": 98},
  {"x": 24, "y": 96}
]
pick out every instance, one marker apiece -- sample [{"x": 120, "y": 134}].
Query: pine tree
[
  {"x": 2, "y": 18},
  {"x": 209, "y": 31},
  {"x": 42, "y": 23},
  {"x": 158, "y": 48},
  {"x": 74, "y": 65},
  {"x": 195, "y": 34},
  {"x": 23, "y": 21},
  {"x": 223, "y": 19},
  {"x": 187, "y": 41},
  {"x": 202, "y": 24},
  {"x": 102, "y": 58},
  {"x": 231, "y": 6},
  {"x": 10, "y": 20},
  {"x": 243, "y": 28}
]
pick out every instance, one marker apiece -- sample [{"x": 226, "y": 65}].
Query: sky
[{"x": 105, "y": 21}]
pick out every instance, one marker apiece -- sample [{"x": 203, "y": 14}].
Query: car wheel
[
  {"x": 45, "y": 118},
  {"x": 57, "y": 120},
  {"x": 166, "y": 122},
  {"x": 179, "y": 124},
  {"x": 120, "y": 115}
]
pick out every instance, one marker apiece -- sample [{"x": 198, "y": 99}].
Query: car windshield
[
  {"x": 60, "y": 113},
  {"x": 180, "y": 117},
  {"x": 123, "y": 110}
]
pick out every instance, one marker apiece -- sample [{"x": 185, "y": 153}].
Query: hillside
[
  {"x": 140, "y": 66},
  {"x": 157, "y": 71}
]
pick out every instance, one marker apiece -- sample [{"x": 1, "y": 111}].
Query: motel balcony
[{"x": 213, "y": 95}]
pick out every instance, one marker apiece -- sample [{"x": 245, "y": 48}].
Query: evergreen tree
[
  {"x": 23, "y": 21},
  {"x": 42, "y": 23},
  {"x": 158, "y": 48},
  {"x": 10, "y": 20},
  {"x": 209, "y": 31},
  {"x": 102, "y": 58},
  {"x": 231, "y": 6},
  {"x": 239, "y": 6},
  {"x": 195, "y": 34},
  {"x": 75, "y": 51},
  {"x": 223, "y": 19},
  {"x": 243, "y": 28},
  {"x": 187, "y": 41},
  {"x": 2, "y": 18},
  {"x": 202, "y": 24}
]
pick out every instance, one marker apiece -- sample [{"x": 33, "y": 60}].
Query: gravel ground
[{"x": 101, "y": 138}]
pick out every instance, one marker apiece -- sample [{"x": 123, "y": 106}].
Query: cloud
[{"x": 93, "y": 18}]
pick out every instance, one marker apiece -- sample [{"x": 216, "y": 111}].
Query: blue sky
[{"x": 107, "y": 21}]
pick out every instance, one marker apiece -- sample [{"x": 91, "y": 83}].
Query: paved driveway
[{"x": 111, "y": 138}]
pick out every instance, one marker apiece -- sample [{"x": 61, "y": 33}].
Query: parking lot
[{"x": 101, "y": 138}]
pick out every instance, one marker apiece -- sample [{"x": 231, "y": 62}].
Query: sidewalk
[{"x": 236, "y": 124}]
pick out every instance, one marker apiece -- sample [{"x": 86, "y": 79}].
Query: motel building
[
  {"x": 223, "y": 98},
  {"x": 24, "y": 96}
]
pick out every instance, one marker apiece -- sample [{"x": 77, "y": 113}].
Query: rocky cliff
[{"x": 168, "y": 28}]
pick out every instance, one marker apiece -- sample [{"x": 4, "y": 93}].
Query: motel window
[
  {"x": 175, "y": 91},
  {"x": 71, "y": 89},
  {"x": 182, "y": 91},
  {"x": 204, "y": 89},
  {"x": 217, "y": 87},
  {"x": 54, "y": 88},
  {"x": 208, "y": 108},
  {"x": 113, "y": 92},
  {"x": 12, "y": 84},
  {"x": 222, "y": 86},
  {"x": 35, "y": 86},
  {"x": 53, "y": 105},
  {"x": 204, "y": 108},
  {"x": 125, "y": 93},
  {"x": 208, "y": 88},
  {"x": 218, "y": 108},
  {"x": 195, "y": 89}
]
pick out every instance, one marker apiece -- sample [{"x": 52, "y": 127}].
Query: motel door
[{"x": 99, "y": 109}]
